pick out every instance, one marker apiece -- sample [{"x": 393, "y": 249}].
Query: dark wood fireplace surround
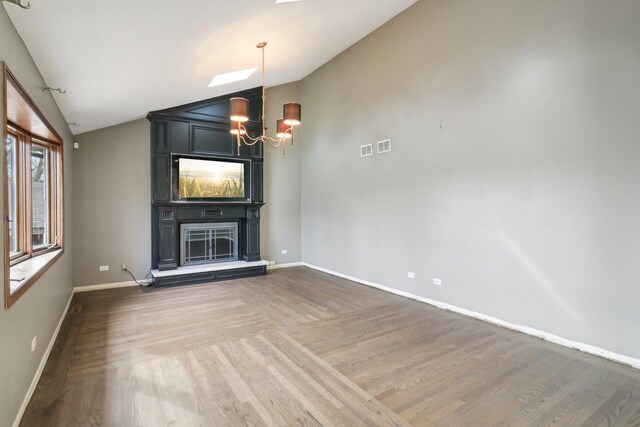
[{"x": 201, "y": 130}]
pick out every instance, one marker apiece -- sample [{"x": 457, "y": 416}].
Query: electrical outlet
[
  {"x": 123, "y": 267},
  {"x": 272, "y": 263},
  {"x": 411, "y": 275},
  {"x": 437, "y": 281},
  {"x": 104, "y": 268},
  {"x": 34, "y": 343},
  {"x": 284, "y": 252}
]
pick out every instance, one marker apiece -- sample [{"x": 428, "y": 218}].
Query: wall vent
[
  {"x": 366, "y": 150},
  {"x": 384, "y": 146}
]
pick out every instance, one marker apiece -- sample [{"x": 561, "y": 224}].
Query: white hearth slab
[{"x": 207, "y": 268}]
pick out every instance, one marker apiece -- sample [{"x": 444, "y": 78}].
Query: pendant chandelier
[{"x": 240, "y": 114}]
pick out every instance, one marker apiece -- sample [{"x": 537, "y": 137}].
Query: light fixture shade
[
  {"x": 238, "y": 129},
  {"x": 292, "y": 112},
  {"x": 282, "y": 129},
  {"x": 239, "y": 109}
]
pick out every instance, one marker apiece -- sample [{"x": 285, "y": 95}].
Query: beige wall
[
  {"x": 113, "y": 219},
  {"x": 280, "y": 223},
  {"x": 514, "y": 173},
  {"x": 38, "y": 312},
  {"x": 113, "y": 214}
]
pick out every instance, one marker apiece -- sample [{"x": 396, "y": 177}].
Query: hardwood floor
[{"x": 300, "y": 347}]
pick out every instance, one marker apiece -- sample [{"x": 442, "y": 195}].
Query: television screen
[{"x": 210, "y": 179}]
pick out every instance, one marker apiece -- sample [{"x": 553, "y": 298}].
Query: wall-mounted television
[{"x": 201, "y": 179}]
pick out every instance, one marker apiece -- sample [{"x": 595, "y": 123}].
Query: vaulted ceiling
[{"x": 120, "y": 59}]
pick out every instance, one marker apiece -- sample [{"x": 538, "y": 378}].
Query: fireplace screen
[{"x": 208, "y": 243}]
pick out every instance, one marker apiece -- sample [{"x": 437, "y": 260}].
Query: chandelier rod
[{"x": 261, "y": 45}]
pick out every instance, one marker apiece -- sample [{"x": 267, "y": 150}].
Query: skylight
[{"x": 236, "y": 76}]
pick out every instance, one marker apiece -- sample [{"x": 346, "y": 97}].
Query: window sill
[{"x": 29, "y": 271}]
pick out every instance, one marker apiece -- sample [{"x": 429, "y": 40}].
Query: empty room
[{"x": 320, "y": 213}]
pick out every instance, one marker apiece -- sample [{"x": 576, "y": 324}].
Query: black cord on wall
[{"x": 136, "y": 280}]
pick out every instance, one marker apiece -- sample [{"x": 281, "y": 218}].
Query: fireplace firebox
[{"x": 208, "y": 243}]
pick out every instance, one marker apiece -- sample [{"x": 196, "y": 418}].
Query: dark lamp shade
[
  {"x": 282, "y": 129},
  {"x": 239, "y": 109},
  {"x": 292, "y": 113}
]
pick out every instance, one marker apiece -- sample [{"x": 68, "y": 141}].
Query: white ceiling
[{"x": 120, "y": 59}]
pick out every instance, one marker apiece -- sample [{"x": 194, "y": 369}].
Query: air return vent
[
  {"x": 384, "y": 146},
  {"x": 366, "y": 150}
]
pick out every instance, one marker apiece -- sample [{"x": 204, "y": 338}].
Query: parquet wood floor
[{"x": 300, "y": 347}]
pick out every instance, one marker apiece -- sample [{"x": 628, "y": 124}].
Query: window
[
  {"x": 33, "y": 192},
  {"x": 31, "y": 195}
]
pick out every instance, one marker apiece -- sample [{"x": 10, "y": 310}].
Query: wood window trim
[
  {"x": 31, "y": 261},
  {"x": 25, "y": 143},
  {"x": 20, "y": 253}
]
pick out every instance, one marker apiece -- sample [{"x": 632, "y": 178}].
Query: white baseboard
[
  {"x": 279, "y": 266},
  {"x": 90, "y": 288},
  {"x": 43, "y": 362},
  {"x": 586, "y": 348}
]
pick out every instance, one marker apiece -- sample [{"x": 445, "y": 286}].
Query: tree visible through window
[{"x": 39, "y": 196}]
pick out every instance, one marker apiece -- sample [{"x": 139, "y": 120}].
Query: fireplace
[
  {"x": 208, "y": 243},
  {"x": 205, "y": 196}
]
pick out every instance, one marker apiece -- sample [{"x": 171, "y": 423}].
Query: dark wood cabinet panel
[
  {"x": 218, "y": 110},
  {"x": 168, "y": 258},
  {"x": 211, "y": 140},
  {"x": 179, "y": 137},
  {"x": 168, "y": 215},
  {"x": 160, "y": 136},
  {"x": 252, "y": 241},
  {"x": 211, "y": 276},
  {"x": 167, "y": 239},
  {"x": 210, "y": 212},
  {"x": 256, "y": 151},
  {"x": 257, "y": 182},
  {"x": 215, "y": 110},
  {"x": 162, "y": 177},
  {"x": 253, "y": 213},
  {"x": 241, "y": 272}
]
